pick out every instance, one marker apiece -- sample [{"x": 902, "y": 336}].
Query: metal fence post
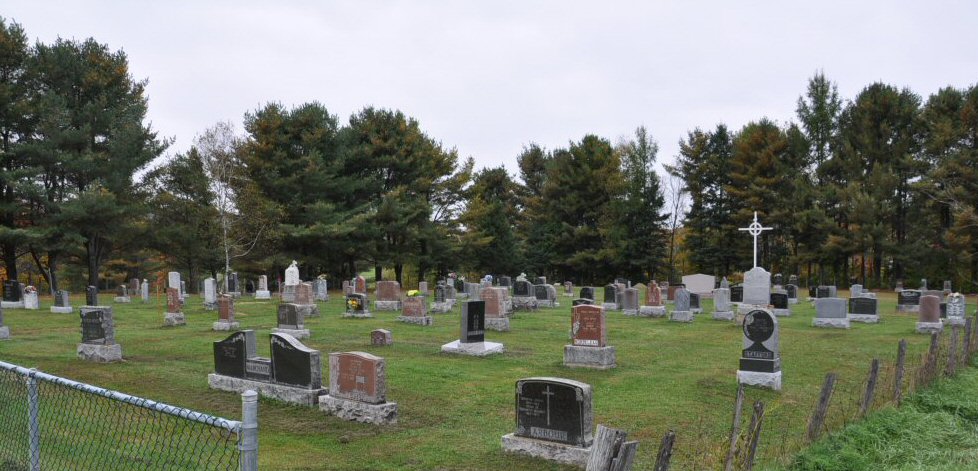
[
  {"x": 248, "y": 437},
  {"x": 33, "y": 432}
]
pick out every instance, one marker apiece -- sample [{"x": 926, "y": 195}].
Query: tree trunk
[
  {"x": 91, "y": 252},
  {"x": 10, "y": 259},
  {"x": 398, "y": 269},
  {"x": 378, "y": 273}
]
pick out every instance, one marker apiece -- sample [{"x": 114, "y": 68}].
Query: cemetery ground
[{"x": 454, "y": 409}]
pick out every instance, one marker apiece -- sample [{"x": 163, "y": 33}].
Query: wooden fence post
[
  {"x": 952, "y": 353},
  {"x": 967, "y": 340},
  {"x": 610, "y": 451},
  {"x": 756, "y": 423},
  {"x": 932, "y": 353},
  {"x": 874, "y": 372},
  {"x": 735, "y": 429},
  {"x": 901, "y": 364},
  {"x": 665, "y": 452},
  {"x": 821, "y": 408}
]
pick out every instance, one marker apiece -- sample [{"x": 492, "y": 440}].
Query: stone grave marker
[
  {"x": 540, "y": 280},
  {"x": 930, "y": 315},
  {"x": 174, "y": 309},
  {"x": 423, "y": 287},
  {"x": 91, "y": 296},
  {"x": 98, "y": 335},
  {"x": 956, "y": 310},
  {"x": 588, "y": 348},
  {"x": 495, "y": 299},
  {"x": 568, "y": 289},
  {"x": 472, "y": 336},
  {"x": 524, "y": 296},
  {"x": 263, "y": 292},
  {"x": 587, "y": 292},
  {"x": 722, "y": 308},
  {"x": 580, "y": 301},
  {"x": 757, "y": 288},
  {"x": 653, "y": 302},
  {"x": 694, "y": 303},
  {"x": 630, "y": 302},
  {"x": 792, "y": 291},
  {"x": 863, "y": 309},
  {"x": 554, "y": 420},
  {"x": 923, "y": 284},
  {"x": 681, "y": 311},
  {"x": 505, "y": 281},
  {"x": 381, "y": 338},
  {"x": 414, "y": 310},
  {"x": 360, "y": 284},
  {"x": 831, "y": 312},
  {"x": 13, "y": 295},
  {"x": 737, "y": 294},
  {"x": 292, "y": 374},
  {"x": 442, "y": 303},
  {"x": 779, "y": 304},
  {"x": 292, "y": 321},
  {"x": 144, "y": 290},
  {"x": 908, "y": 300},
  {"x": 210, "y": 294},
  {"x": 855, "y": 290},
  {"x": 388, "y": 296},
  {"x": 30, "y": 298},
  {"x": 358, "y": 389},
  {"x": 306, "y": 300},
  {"x": 62, "y": 302},
  {"x": 611, "y": 298},
  {"x": 225, "y": 314},
  {"x": 122, "y": 295},
  {"x": 760, "y": 361},
  {"x": 347, "y": 287},
  {"x": 899, "y": 286},
  {"x": 672, "y": 288},
  {"x": 356, "y": 306}
]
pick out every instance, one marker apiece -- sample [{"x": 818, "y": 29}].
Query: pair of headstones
[{"x": 293, "y": 373}]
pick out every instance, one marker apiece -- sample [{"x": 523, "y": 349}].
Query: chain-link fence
[{"x": 49, "y": 422}]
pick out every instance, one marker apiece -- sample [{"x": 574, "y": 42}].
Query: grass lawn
[{"x": 454, "y": 409}]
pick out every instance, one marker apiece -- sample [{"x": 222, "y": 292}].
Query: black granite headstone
[
  {"x": 736, "y": 294},
  {"x": 759, "y": 326},
  {"x": 812, "y": 291},
  {"x": 823, "y": 292},
  {"x": 792, "y": 291},
  {"x": 473, "y": 322},
  {"x": 943, "y": 310},
  {"x": 694, "y": 301},
  {"x": 864, "y": 306},
  {"x": 61, "y": 298},
  {"x": 232, "y": 353},
  {"x": 440, "y": 293},
  {"x": 522, "y": 288},
  {"x": 295, "y": 364},
  {"x": 611, "y": 294},
  {"x": 587, "y": 292},
  {"x": 540, "y": 280},
  {"x": 909, "y": 297},
  {"x": 579, "y": 301},
  {"x": 505, "y": 281},
  {"x": 779, "y": 300},
  {"x": 540, "y": 291},
  {"x": 93, "y": 330},
  {"x": 554, "y": 410}
]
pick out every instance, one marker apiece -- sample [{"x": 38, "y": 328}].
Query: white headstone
[
  {"x": 757, "y": 287},
  {"x": 700, "y": 283},
  {"x": 210, "y": 290},
  {"x": 173, "y": 280},
  {"x": 144, "y": 290},
  {"x": 292, "y": 274}
]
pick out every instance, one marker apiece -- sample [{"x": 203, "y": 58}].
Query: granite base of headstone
[
  {"x": 309, "y": 310},
  {"x": 100, "y": 353},
  {"x": 30, "y": 301},
  {"x": 953, "y": 321},
  {"x": 62, "y": 309},
  {"x": 929, "y": 327},
  {"x": 172, "y": 319},
  {"x": 652, "y": 311},
  {"x": 599, "y": 358},
  {"x": 441, "y": 307},
  {"x": 293, "y": 373},
  {"x": 122, "y": 299},
  {"x": 781, "y": 312},
  {"x": 526, "y": 303},
  {"x": 498, "y": 324},
  {"x": 381, "y": 338},
  {"x": 263, "y": 294},
  {"x": 476, "y": 349},
  {"x": 554, "y": 421},
  {"x": 223, "y": 325},
  {"x": 724, "y": 315},
  {"x": 837, "y": 323},
  {"x": 682, "y": 316},
  {"x": 12, "y": 304},
  {"x": 357, "y": 389},
  {"x": 387, "y": 305}
]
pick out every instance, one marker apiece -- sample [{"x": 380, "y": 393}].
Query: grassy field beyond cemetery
[{"x": 454, "y": 409}]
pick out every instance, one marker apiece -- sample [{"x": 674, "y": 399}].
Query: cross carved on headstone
[
  {"x": 755, "y": 230},
  {"x": 548, "y": 393}
]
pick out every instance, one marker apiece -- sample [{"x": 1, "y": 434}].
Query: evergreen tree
[
  {"x": 17, "y": 124},
  {"x": 489, "y": 240},
  {"x": 640, "y": 235}
]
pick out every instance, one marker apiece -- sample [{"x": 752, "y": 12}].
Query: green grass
[
  {"x": 936, "y": 429},
  {"x": 454, "y": 409}
]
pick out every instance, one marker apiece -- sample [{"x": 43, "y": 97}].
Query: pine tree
[{"x": 640, "y": 236}]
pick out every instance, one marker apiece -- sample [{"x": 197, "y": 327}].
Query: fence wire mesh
[{"x": 84, "y": 427}]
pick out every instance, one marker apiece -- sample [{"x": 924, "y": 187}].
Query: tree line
[{"x": 877, "y": 188}]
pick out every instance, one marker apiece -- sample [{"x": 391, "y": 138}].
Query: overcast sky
[{"x": 490, "y": 77}]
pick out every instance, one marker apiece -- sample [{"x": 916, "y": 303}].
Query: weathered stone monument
[
  {"x": 654, "y": 307},
  {"x": 388, "y": 295},
  {"x": 865, "y": 310},
  {"x": 98, "y": 335},
  {"x": 292, "y": 321},
  {"x": 495, "y": 299},
  {"x": 611, "y": 298},
  {"x": 441, "y": 302},
  {"x": 681, "y": 311},
  {"x": 174, "y": 309},
  {"x": 760, "y": 361},
  {"x": 957, "y": 309},
  {"x": 91, "y": 296},
  {"x": 62, "y": 302},
  {"x": 908, "y": 300},
  {"x": 568, "y": 289},
  {"x": 31, "y": 302},
  {"x": 722, "y": 308},
  {"x": 320, "y": 289},
  {"x": 472, "y": 339},
  {"x": 122, "y": 295},
  {"x": 225, "y": 314},
  {"x": 694, "y": 303},
  {"x": 292, "y": 374},
  {"x": 414, "y": 310},
  {"x": 554, "y": 420},
  {"x": 930, "y": 315},
  {"x": 356, "y": 306},
  {"x": 589, "y": 348},
  {"x": 263, "y": 292},
  {"x": 144, "y": 290},
  {"x": 381, "y": 338},
  {"x": 291, "y": 282},
  {"x": 523, "y": 295},
  {"x": 757, "y": 290},
  {"x": 358, "y": 389},
  {"x": 210, "y": 294},
  {"x": 630, "y": 302},
  {"x": 304, "y": 298},
  {"x": 831, "y": 312}
]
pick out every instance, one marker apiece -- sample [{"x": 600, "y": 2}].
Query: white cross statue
[{"x": 755, "y": 230}]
